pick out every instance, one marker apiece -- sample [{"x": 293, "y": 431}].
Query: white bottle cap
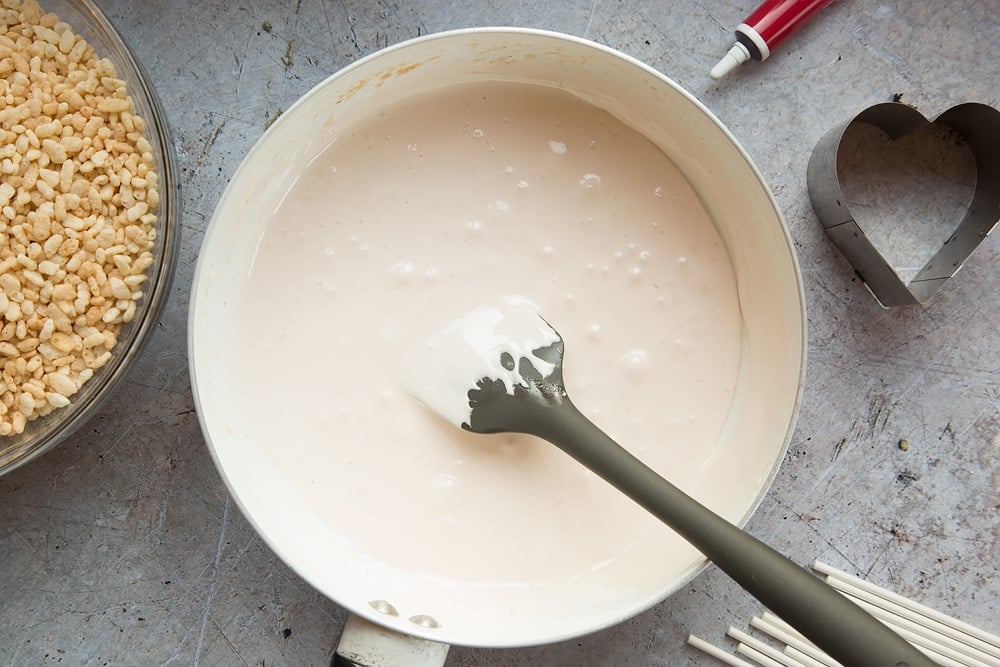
[{"x": 737, "y": 55}]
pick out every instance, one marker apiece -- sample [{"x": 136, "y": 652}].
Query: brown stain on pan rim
[{"x": 384, "y": 76}]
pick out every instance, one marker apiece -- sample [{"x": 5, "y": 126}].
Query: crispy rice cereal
[{"x": 78, "y": 196}]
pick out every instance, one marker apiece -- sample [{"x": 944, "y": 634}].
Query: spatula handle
[{"x": 831, "y": 621}]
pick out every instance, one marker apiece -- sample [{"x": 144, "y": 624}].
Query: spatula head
[{"x": 495, "y": 409}]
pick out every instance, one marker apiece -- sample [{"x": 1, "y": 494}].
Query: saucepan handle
[{"x": 365, "y": 644}]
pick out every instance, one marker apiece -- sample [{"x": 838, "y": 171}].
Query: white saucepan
[{"x": 387, "y": 596}]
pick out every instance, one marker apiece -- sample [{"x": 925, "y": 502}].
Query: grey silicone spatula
[{"x": 522, "y": 391}]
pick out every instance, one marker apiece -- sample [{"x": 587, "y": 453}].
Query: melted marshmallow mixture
[{"x": 453, "y": 200}]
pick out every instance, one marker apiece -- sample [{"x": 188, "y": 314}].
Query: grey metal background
[{"x": 122, "y": 546}]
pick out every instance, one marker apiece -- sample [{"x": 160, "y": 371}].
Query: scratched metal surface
[{"x": 122, "y": 546}]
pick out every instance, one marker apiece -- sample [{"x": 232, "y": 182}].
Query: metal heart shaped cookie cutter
[{"x": 979, "y": 126}]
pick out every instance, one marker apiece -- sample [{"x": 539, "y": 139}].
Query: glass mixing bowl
[{"x": 44, "y": 433}]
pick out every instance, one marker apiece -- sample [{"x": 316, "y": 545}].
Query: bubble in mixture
[
  {"x": 403, "y": 270},
  {"x": 522, "y": 185},
  {"x": 635, "y": 360},
  {"x": 590, "y": 181},
  {"x": 658, "y": 191},
  {"x": 558, "y": 147},
  {"x": 508, "y": 169},
  {"x": 477, "y": 133},
  {"x": 445, "y": 481},
  {"x": 501, "y": 205},
  {"x": 412, "y": 148},
  {"x": 474, "y": 226}
]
